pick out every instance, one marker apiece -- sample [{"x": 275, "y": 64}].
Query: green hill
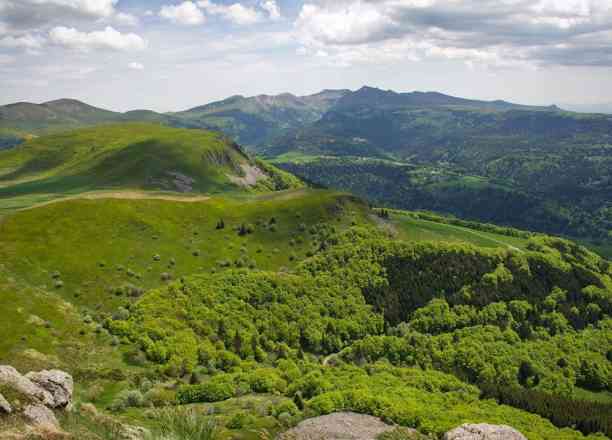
[
  {"x": 131, "y": 156},
  {"x": 54, "y": 115}
]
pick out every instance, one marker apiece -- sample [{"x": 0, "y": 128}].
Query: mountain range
[{"x": 251, "y": 121}]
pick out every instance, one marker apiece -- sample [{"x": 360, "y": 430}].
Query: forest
[{"x": 528, "y": 329}]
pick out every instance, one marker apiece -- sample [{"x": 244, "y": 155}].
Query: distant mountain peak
[{"x": 63, "y": 101}]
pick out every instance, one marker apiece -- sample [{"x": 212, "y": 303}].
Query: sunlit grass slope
[
  {"x": 411, "y": 227},
  {"x": 101, "y": 245},
  {"x": 138, "y": 155}
]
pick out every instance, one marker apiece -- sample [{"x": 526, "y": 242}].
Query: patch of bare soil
[
  {"x": 130, "y": 195},
  {"x": 252, "y": 175}
]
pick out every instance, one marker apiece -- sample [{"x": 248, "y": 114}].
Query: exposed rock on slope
[
  {"x": 39, "y": 415},
  {"x": 56, "y": 382},
  {"x": 5, "y": 407},
  {"x": 484, "y": 431},
  {"x": 12, "y": 379},
  {"x": 338, "y": 426},
  {"x": 38, "y": 393}
]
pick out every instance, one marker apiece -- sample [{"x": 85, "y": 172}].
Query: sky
[{"x": 170, "y": 55}]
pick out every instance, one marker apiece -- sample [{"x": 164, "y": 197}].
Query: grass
[
  {"x": 96, "y": 244},
  {"x": 413, "y": 229},
  {"x": 218, "y": 415},
  {"x": 40, "y": 331},
  {"x": 183, "y": 424},
  {"x": 100, "y": 247},
  {"x": 135, "y": 155}
]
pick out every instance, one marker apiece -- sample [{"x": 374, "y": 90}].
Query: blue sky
[{"x": 174, "y": 54}]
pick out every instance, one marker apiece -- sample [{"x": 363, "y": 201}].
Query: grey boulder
[
  {"x": 484, "y": 431},
  {"x": 11, "y": 378},
  {"x": 57, "y": 383},
  {"x": 5, "y": 407},
  {"x": 39, "y": 415}
]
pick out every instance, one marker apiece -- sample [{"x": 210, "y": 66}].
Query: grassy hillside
[
  {"x": 134, "y": 156},
  {"x": 100, "y": 245},
  {"x": 69, "y": 114},
  {"x": 57, "y": 115},
  {"x": 418, "y": 227}
]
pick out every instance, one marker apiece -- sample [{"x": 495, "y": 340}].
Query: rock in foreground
[
  {"x": 58, "y": 383},
  {"x": 338, "y": 426},
  {"x": 484, "y": 431},
  {"x": 11, "y": 378},
  {"x": 39, "y": 415}
]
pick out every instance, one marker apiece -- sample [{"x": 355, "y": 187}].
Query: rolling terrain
[
  {"x": 174, "y": 276},
  {"x": 130, "y": 156},
  {"x": 531, "y": 167}
]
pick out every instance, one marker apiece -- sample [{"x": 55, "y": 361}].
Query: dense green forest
[
  {"x": 396, "y": 326},
  {"x": 535, "y": 199}
]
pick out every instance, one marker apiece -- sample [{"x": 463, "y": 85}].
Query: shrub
[
  {"x": 217, "y": 389},
  {"x": 127, "y": 399},
  {"x": 266, "y": 381},
  {"x": 286, "y": 406},
  {"x": 240, "y": 420},
  {"x": 160, "y": 397}
]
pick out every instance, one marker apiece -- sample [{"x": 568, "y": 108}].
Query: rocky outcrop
[
  {"x": 484, "y": 431},
  {"x": 32, "y": 397},
  {"x": 5, "y": 407},
  {"x": 338, "y": 426},
  {"x": 58, "y": 383},
  {"x": 11, "y": 378},
  {"x": 39, "y": 415}
]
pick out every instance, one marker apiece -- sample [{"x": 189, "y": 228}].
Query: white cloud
[
  {"x": 492, "y": 32},
  {"x": 272, "y": 8},
  {"x": 126, "y": 19},
  {"x": 95, "y": 8},
  {"x": 355, "y": 23},
  {"x": 136, "y": 66},
  {"x": 26, "y": 41},
  {"x": 109, "y": 38},
  {"x": 236, "y": 12},
  {"x": 187, "y": 13}
]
